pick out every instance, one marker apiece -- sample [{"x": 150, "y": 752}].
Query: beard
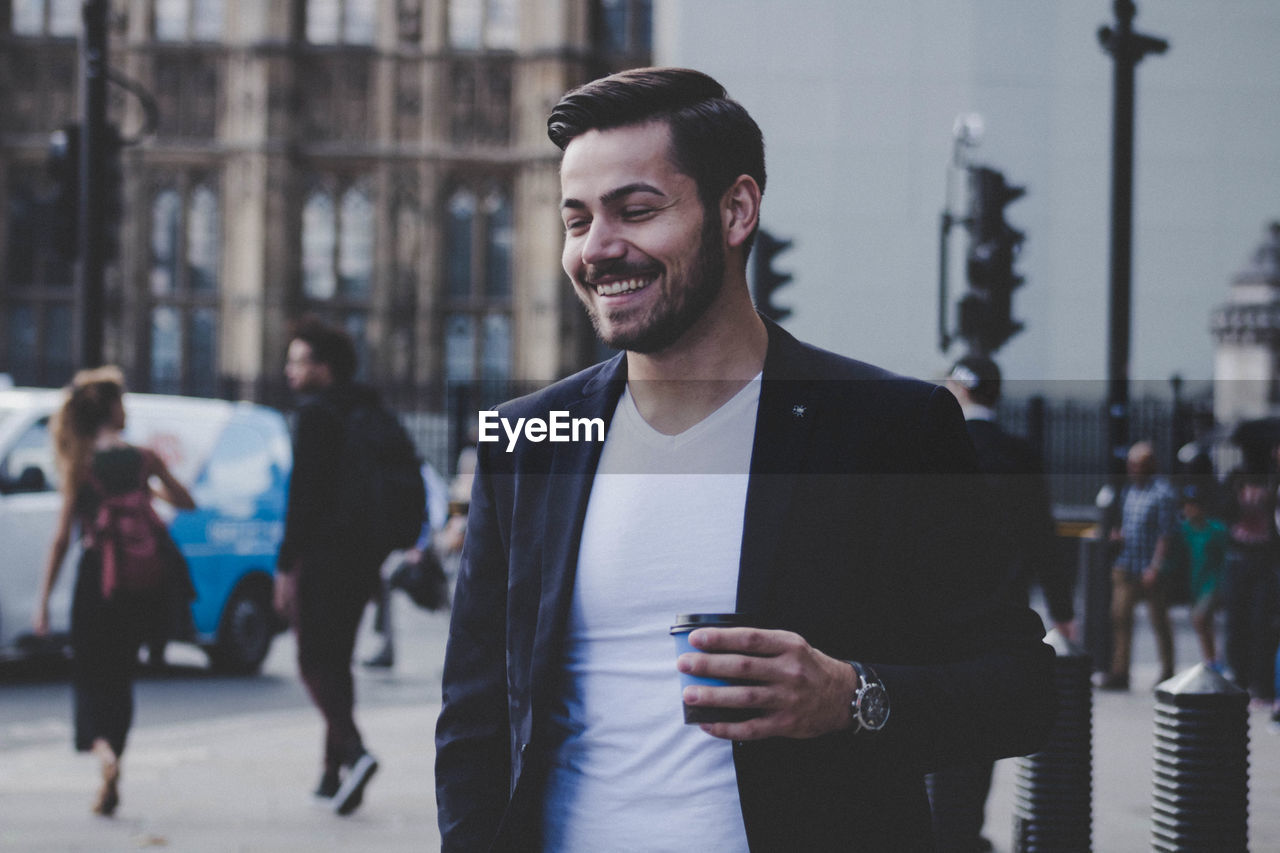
[{"x": 683, "y": 304}]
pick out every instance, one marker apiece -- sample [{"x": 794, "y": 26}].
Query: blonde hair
[{"x": 90, "y": 404}]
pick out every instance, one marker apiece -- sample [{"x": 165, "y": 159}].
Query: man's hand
[
  {"x": 286, "y": 596},
  {"x": 1150, "y": 577},
  {"x": 802, "y": 692}
]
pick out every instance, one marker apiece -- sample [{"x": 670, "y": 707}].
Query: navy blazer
[{"x": 864, "y": 533}]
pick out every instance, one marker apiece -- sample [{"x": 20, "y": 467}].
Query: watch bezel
[
  {"x": 869, "y": 713},
  {"x": 872, "y": 699}
]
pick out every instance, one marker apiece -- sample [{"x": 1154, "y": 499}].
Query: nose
[{"x": 602, "y": 242}]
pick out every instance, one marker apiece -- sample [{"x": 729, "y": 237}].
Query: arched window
[
  {"x": 339, "y": 234},
  {"x": 459, "y": 242},
  {"x": 478, "y": 270},
  {"x": 342, "y": 21},
  {"x": 185, "y": 251},
  {"x": 487, "y": 24},
  {"x": 45, "y": 18},
  {"x": 189, "y": 20},
  {"x": 319, "y": 236},
  {"x": 624, "y": 26},
  {"x": 355, "y": 244},
  {"x": 36, "y": 283}
]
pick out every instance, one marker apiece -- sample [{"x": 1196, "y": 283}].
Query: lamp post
[
  {"x": 94, "y": 152},
  {"x": 1127, "y": 48}
]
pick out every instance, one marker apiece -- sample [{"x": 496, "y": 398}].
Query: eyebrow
[{"x": 615, "y": 194}]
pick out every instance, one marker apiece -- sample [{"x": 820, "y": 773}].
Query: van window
[
  {"x": 240, "y": 469},
  {"x": 29, "y": 465}
]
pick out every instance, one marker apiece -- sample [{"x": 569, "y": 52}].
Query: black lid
[{"x": 689, "y": 621}]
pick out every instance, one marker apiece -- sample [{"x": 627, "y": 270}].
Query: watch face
[{"x": 873, "y": 706}]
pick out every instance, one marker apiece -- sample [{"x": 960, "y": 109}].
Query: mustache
[{"x": 619, "y": 269}]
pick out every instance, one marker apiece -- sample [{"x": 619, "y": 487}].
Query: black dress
[{"x": 106, "y": 634}]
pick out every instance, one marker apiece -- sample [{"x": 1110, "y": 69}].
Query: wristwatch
[{"x": 870, "y": 705}]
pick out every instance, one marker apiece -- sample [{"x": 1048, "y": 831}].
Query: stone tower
[{"x": 1246, "y": 333}]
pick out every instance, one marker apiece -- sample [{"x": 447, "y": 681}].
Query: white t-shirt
[{"x": 662, "y": 536}]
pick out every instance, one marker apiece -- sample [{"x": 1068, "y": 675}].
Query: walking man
[
  {"x": 1022, "y": 549},
  {"x": 1149, "y": 517},
  {"x": 741, "y": 470},
  {"x": 327, "y": 569}
]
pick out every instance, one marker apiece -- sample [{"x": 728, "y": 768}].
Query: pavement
[{"x": 242, "y": 781}]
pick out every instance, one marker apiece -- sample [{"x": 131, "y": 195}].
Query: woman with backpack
[{"x": 106, "y": 492}]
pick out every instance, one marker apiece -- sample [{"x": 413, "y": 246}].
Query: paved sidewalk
[{"x": 241, "y": 784}]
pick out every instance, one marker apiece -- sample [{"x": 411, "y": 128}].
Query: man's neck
[{"x": 678, "y": 387}]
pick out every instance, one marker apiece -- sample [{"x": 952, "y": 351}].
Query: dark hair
[
  {"x": 713, "y": 139},
  {"x": 329, "y": 345}
]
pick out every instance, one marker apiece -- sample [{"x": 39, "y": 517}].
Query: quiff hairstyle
[{"x": 713, "y": 138}]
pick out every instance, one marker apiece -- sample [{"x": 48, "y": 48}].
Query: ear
[{"x": 740, "y": 210}]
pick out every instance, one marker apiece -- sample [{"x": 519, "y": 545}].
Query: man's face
[
  {"x": 1141, "y": 464},
  {"x": 303, "y": 373},
  {"x": 643, "y": 258}
]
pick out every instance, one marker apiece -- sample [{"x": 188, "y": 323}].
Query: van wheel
[{"x": 244, "y": 638}]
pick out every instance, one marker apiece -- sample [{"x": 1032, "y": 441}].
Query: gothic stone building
[{"x": 382, "y": 163}]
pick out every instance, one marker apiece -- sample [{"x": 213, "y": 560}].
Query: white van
[{"x": 235, "y": 459}]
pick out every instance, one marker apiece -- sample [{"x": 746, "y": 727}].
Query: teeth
[{"x": 624, "y": 286}]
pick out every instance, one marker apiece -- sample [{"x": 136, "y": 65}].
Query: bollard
[
  {"x": 1202, "y": 764},
  {"x": 1053, "y": 810}
]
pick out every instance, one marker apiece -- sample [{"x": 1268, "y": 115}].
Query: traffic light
[
  {"x": 986, "y": 319},
  {"x": 766, "y": 278},
  {"x": 64, "y": 169}
]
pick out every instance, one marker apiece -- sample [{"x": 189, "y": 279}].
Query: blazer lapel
[
  {"x": 789, "y": 404},
  {"x": 573, "y": 468}
]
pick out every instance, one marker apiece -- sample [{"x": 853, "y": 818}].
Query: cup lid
[{"x": 689, "y": 621}]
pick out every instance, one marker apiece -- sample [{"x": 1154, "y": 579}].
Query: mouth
[{"x": 623, "y": 285}]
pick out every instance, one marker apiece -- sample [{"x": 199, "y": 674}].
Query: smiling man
[{"x": 741, "y": 471}]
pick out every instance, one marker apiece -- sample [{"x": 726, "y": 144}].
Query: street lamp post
[
  {"x": 1127, "y": 48},
  {"x": 94, "y": 163}
]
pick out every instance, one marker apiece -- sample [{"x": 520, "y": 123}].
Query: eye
[
  {"x": 637, "y": 213},
  {"x": 576, "y": 224}
]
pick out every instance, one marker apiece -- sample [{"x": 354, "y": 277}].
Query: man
[
  {"x": 1014, "y": 474},
  {"x": 1148, "y": 519},
  {"x": 327, "y": 569},
  {"x": 817, "y": 504},
  {"x": 1022, "y": 549}
]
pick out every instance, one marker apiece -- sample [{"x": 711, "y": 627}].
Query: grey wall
[{"x": 857, "y": 100}]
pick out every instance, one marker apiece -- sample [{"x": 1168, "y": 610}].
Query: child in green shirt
[{"x": 1197, "y": 558}]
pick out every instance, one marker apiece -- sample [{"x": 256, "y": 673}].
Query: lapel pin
[{"x": 797, "y": 411}]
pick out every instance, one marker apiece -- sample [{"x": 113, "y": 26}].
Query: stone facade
[{"x": 382, "y": 163}]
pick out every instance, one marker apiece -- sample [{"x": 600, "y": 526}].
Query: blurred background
[{"x": 383, "y": 163}]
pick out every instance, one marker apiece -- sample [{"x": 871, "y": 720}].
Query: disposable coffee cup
[{"x": 687, "y": 623}]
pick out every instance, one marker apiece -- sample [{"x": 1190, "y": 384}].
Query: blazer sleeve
[
  {"x": 985, "y": 690},
  {"x": 473, "y": 765}
]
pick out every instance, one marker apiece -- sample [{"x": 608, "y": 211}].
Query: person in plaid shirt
[{"x": 1148, "y": 519}]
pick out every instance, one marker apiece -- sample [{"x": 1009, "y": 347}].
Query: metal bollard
[
  {"x": 1053, "y": 810},
  {"x": 1202, "y": 764}
]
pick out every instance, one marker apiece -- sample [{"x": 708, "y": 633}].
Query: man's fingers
[{"x": 747, "y": 641}]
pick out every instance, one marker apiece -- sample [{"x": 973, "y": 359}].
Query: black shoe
[
  {"x": 330, "y": 782},
  {"x": 351, "y": 793},
  {"x": 385, "y": 659}
]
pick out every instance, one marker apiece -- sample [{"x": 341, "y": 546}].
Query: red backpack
[{"x": 130, "y": 537}]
